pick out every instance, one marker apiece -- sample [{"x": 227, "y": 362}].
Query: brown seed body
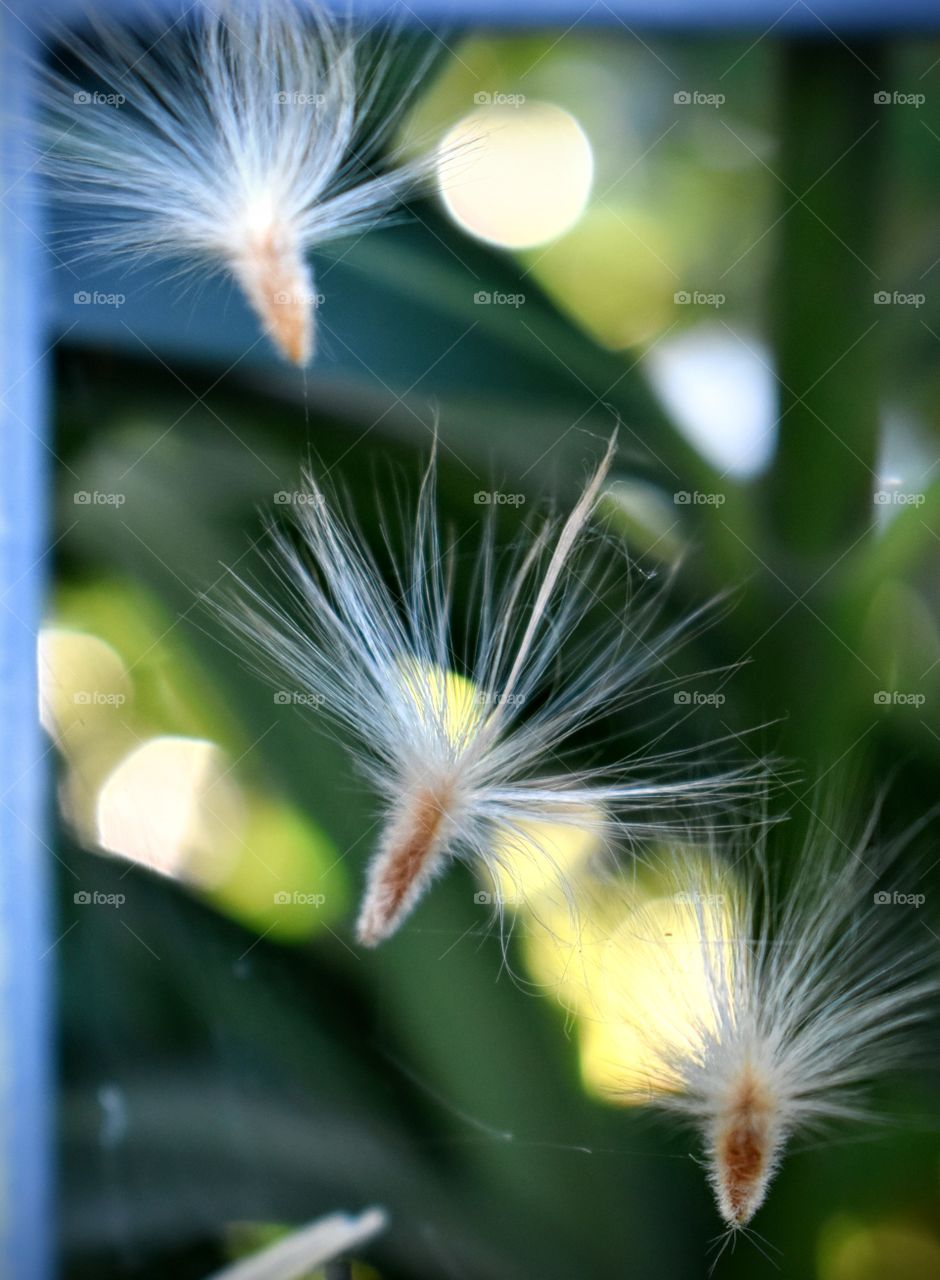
[
  {"x": 277, "y": 282},
  {"x": 407, "y": 857},
  {"x": 745, "y": 1142}
]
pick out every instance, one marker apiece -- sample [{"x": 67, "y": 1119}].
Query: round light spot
[
  {"x": 172, "y": 806},
  {"x": 516, "y": 176},
  {"x": 83, "y": 684}
]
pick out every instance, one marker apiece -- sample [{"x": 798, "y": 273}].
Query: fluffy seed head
[
  {"x": 757, "y": 1012},
  {"x": 465, "y": 737},
  {"x": 238, "y": 138}
]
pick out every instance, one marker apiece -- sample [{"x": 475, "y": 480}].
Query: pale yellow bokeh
[
  {"x": 173, "y": 806},
  {"x": 287, "y": 879},
  {"x": 516, "y": 176},
  {"x": 657, "y": 991},
  {"x": 86, "y": 705},
  {"x": 171, "y": 801},
  {"x": 635, "y": 964},
  {"x": 83, "y": 682},
  {"x": 610, "y": 275},
  {"x": 566, "y": 941},
  {"x": 542, "y": 859},
  {"x": 853, "y": 1251},
  {"x": 453, "y": 701}
]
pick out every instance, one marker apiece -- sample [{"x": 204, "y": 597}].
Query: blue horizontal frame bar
[{"x": 781, "y": 17}]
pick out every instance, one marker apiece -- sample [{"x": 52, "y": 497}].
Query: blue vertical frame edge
[{"x": 27, "y": 1230}]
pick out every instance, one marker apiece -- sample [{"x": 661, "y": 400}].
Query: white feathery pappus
[
  {"x": 466, "y": 738},
  {"x": 759, "y": 1006},
  {"x": 238, "y": 138}
]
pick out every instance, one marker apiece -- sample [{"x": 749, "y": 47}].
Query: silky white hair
[
  {"x": 238, "y": 138},
  {"x": 778, "y": 997},
  {"x": 467, "y": 764},
  {"x": 308, "y": 1248}
]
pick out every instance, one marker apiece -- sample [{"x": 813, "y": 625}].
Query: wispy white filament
[
  {"x": 311, "y": 1247},
  {"x": 467, "y": 737},
  {"x": 239, "y": 138}
]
